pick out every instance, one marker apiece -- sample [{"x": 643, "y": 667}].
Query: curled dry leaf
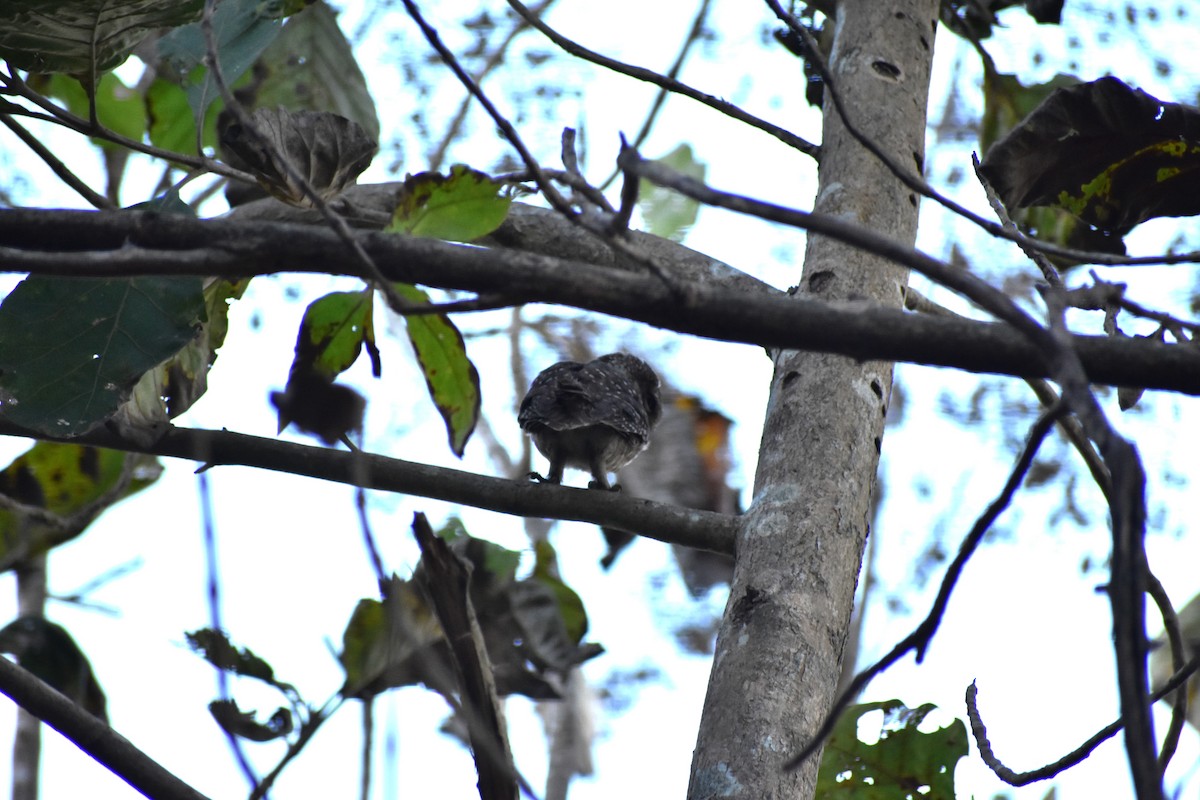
[{"x": 326, "y": 150}]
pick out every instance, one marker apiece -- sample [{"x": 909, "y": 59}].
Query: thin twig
[
  {"x": 669, "y": 84},
  {"x": 494, "y": 59},
  {"x": 693, "y": 36},
  {"x": 360, "y": 501},
  {"x": 552, "y": 195},
  {"x": 919, "y": 640},
  {"x": 915, "y": 182},
  {"x": 60, "y": 169},
  {"x": 1175, "y": 641},
  {"x": 1048, "y": 270},
  {"x": 78, "y": 124},
  {"x": 1012, "y": 778},
  {"x": 214, "y": 616}
]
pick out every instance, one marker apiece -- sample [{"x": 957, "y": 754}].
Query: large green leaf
[
  {"x": 667, "y": 213},
  {"x": 570, "y": 604},
  {"x": 172, "y": 126},
  {"x": 333, "y": 332},
  {"x": 242, "y": 29},
  {"x": 312, "y": 67},
  {"x": 78, "y": 36},
  {"x": 71, "y": 349},
  {"x": 904, "y": 763},
  {"x": 118, "y": 107},
  {"x": 459, "y": 207},
  {"x": 451, "y": 377}
]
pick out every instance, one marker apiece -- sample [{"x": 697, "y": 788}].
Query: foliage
[
  {"x": 905, "y": 763},
  {"x": 1079, "y": 163}
]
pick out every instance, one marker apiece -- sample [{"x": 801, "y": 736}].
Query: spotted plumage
[{"x": 595, "y": 417}]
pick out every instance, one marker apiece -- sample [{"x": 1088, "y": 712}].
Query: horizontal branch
[
  {"x": 705, "y": 530},
  {"x": 140, "y": 243}
]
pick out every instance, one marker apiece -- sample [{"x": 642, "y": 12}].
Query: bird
[{"x": 595, "y": 417}]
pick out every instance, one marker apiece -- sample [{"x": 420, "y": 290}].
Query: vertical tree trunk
[
  {"x": 27, "y": 739},
  {"x": 778, "y": 655}
]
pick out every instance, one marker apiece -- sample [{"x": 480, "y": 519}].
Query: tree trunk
[{"x": 778, "y": 654}]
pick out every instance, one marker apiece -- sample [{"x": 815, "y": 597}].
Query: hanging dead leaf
[{"x": 327, "y": 150}]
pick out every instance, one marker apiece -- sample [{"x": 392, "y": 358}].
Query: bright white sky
[{"x": 1023, "y": 623}]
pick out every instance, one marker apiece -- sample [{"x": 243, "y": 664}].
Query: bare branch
[
  {"x": 723, "y": 304},
  {"x": 669, "y": 84},
  {"x": 703, "y": 529},
  {"x": 494, "y": 59},
  {"x": 92, "y": 736},
  {"x": 1012, "y": 778},
  {"x": 60, "y": 169}
]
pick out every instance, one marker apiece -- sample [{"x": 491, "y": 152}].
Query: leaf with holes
[{"x": 904, "y": 762}]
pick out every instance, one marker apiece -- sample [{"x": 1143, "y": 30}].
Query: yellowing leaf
[
  {"x": 460, "y": 207},
  {"x": 451, "y": 377}
]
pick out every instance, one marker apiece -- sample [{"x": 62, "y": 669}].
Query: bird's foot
[
  {"x": 536, "y": 477},
  {"x": 616, "y": 487}
]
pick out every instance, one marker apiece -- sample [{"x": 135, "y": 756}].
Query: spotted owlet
[{"x": 595, "y": 416}]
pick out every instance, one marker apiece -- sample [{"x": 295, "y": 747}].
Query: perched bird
[{"x": 595, "y": 416}]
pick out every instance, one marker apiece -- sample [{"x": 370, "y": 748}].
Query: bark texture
[{"x": 778, "y": 655}]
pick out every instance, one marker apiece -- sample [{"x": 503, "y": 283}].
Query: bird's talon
[{"x": 536, "y": 477}]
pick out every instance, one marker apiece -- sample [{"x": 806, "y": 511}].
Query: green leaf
[
  {"x": 118, "y": 107},
  {"x": 361, "y": 640},
  {"x": 452, "y": 379},
  {"x": 172, "y": 126},
  {"x": 903, "y": 764},
  {"x": 570, "y": 605},
  {"x": 669, "y": 214},
  {"x": 333, "y": 332},
  {"x": 78, "y": 36},
  {"x": 390, "y": 643},
  {"x": 71, "y": 349},
  {"x": 48, "y": 651},
  {"x": 460, "y": 207},
  {"x": 242, "y": 28},
  {"x": 311, "y": 66},
  {"x": 63, "y": 479}
]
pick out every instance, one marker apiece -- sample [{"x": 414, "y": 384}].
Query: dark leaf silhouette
[
  {"x": 327, "y": 150},
  {"x": 1111, "y": 154},
  {"x": 48, "y": 651}
]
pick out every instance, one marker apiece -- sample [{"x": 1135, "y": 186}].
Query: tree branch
[
  {"x": 666, "y": 83},
  {"x": 703, "y": 529},
  {"x": 92, "y": 736},
  {"x": 718, "y": 307}
]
